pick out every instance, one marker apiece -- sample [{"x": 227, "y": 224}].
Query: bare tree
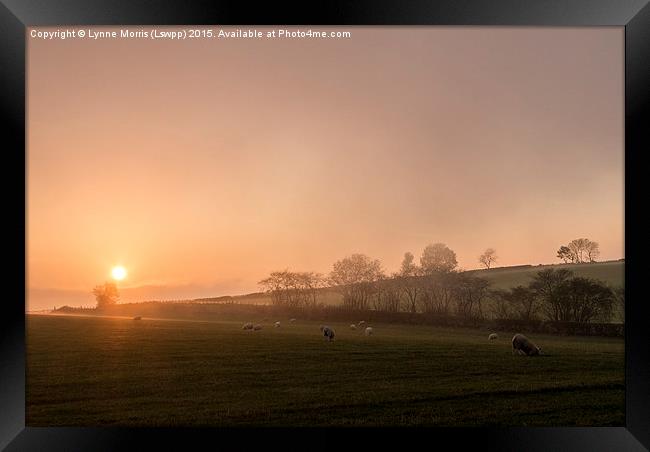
[
  {"x": 438, "y": 258},
  {"x": 548, "y": 287},
  {"x": 355, "y": 277},
  {"x": 407, "y": 279},
  {"x": 292, "y": 288},
  {"x": 519, "y": 302},
  {"x": 583, "y": 250},
  {"x": 470, "y": 292},
  {"x": 592, "y": 251},
  {"x": 565, "y": 254},
  {"x": 488, "y": 257},
  {"x": 439, "y": 292},
  {"x": 387, "y": 296}
]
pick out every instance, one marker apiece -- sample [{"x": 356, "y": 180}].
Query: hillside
[{"x": 612, "y": 272}]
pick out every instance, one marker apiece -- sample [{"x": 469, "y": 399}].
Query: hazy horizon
[{"x": 202, "y": 166}]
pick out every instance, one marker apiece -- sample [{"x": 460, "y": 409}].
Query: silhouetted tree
[
  {"x": 106, "y": 295},
  {"x": 439, "y": 291},
  {"x": 582, "y": 250},
  {"x": 564, "y": 253},
  {"x": 355, "y": 277},
  {"x": 518, "y": 302},
  {"x": 438, "y": 258},
  {"x": 587, "y": 300},
  {"x": 470, "y": 292},
  {"x": 548, "y": 287},
  {"x": 292, "y": 289},
  {"x": 407, "y": 279},
  {"x": 488, "y": 257}
]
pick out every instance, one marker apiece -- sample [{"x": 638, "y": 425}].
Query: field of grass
[
  {"x": 504, "y": 278},
  {"x": 85, "y": 371}
]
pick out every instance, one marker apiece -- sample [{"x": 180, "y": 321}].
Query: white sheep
[
  {"x": 277, "y": 324},
  {"x": 247, "y": 326},
  {"x": 363, "y": 322},
  {"x": 369, "y": 331},
  {"x": 292, "y": 320},
  {"x": 353, "y": 327},
  {"x": 257, "y": 327},
  {"x": 493, "y": 336},
  {"x": 522, "y": 345}
]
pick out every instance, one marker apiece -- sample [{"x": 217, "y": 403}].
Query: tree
[
  {"x": 548, "y": 287},
  {"x": 564, "y": 253},
  {"x": 106, "y": 295},
  {"x": 355, "y": 277},
  {"x": 519, "y": 302},
  {"x": 407, "y": 280},
  {"x": 408, "y": 268},
  {"x": 579, "y": 251},
  {"x": 438, "y": 258},
  {"x": 488, "y": 257},
  {"x": 470, "y": 291},
  {"x": 587, "y": 300},
  {"x": 292, "y": 289},
  {"x": 439, "y": 290},
  {"x": 387, "y": 297},
  {"x": 592, "y": 251}
]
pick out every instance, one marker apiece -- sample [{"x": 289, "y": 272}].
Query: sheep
[
  {"x": 522, "y": 345},
  {"x": 363, "y": 322},
  {"x": 257, "y": 327},
  {"x": 292, "y": 320},
  {"x": 369, "y": 331},
  {"x": 327, "y": 332},
  {"x": 247, "y": 326},
  {"x": 277, "y": 324},
  {"x": 353, "y": 327},
  {"x": 493, "y": 336}
]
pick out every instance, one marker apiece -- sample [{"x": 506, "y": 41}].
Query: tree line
[{"x": 434, "y": 285}]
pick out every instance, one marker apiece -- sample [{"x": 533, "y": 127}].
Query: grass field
[
  {"x": 84, "y": 371},
  {"x": 612, "y": 273}
]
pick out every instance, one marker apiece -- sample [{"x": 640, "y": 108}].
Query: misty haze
[{"x": 405, "y": 226}]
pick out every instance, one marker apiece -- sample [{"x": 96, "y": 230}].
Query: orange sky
[{"x": 202, "y": 165}]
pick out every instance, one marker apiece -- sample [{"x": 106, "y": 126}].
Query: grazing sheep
[
  {"x": 292, "y": 320},
  {"x": 327, "y": 332},
  {"x": 257, "y": 327},
  {"x": 137, "y": 318},
  {"x": 493, "y": 336},
  {"x": 369, "y": 331},
  {"x": 353, "y": 327},
  {"x": 247, "y": 326},
  {"x": 277, "y": 324},
  {"x": 363, "y": 322},
  {"x": 522, "y": 345}
]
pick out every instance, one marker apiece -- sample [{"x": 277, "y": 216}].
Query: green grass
[{"x": 84, "y": 371}]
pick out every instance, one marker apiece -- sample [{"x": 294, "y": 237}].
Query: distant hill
[{"x": 611, "y": 272}]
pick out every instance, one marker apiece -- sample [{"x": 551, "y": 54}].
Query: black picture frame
[{"x": 16, "y": 15}]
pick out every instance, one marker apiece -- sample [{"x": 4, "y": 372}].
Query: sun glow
[{"x": 118, "y": 273}]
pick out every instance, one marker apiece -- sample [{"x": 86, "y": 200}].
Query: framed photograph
[{"x": 248, "y": 225}]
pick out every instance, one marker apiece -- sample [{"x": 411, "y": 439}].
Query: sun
[{"x": 118, "y": 273}]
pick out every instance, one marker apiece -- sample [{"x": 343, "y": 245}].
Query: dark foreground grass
[{"x": 84, "y": 371}]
